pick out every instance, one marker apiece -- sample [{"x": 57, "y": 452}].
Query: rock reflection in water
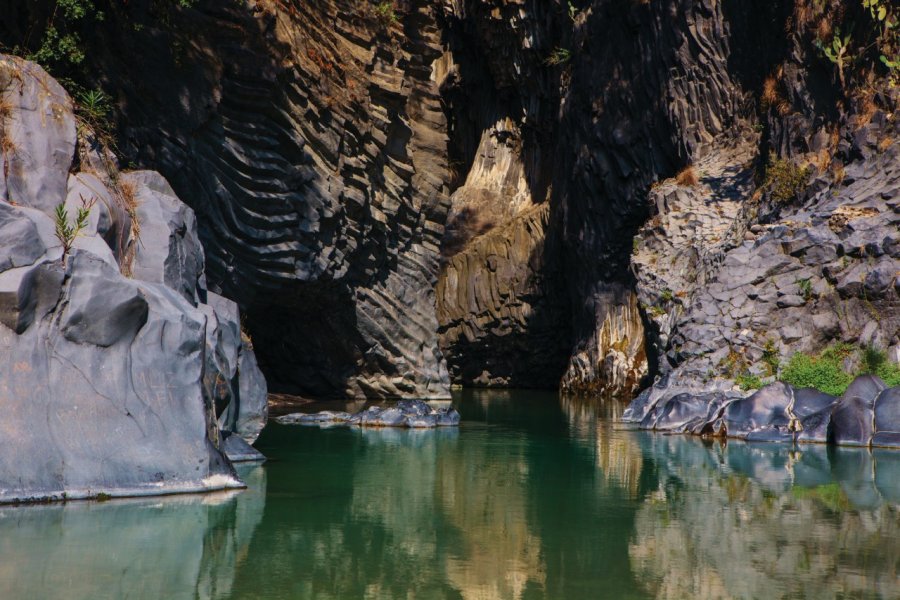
[
  {"x": 530, "y": 498},
  {"x": 766, "y": 521},
  {"x": 164, "y": 547},
  {"x": 593, "y": 422}
]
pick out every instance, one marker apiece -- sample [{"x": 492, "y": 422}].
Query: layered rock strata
[
  {"x": 103, "y": 375},
  {"x": 310, "y": 140}
]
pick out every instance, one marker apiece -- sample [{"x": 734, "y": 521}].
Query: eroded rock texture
[
  {"x": 782, "y": 245},
  {"x": 519, "y": 156},
  {"x": 310, "y": 141},
  {"x": 104, "y": 376}
]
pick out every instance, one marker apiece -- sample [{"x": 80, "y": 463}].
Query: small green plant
[
  {"x": 770, "y": 358},
  {"x": 748, "y": 381},
  {"x": 805, "y": 287},
  {"x": 66, "y": 232},
  {"x": 785, "y": 180},
  {"x": 386, "y": 13},
  {"x": 573, "y": 11},
  {"x": 94, "y": 106},
  {"x": 657, "y": 311},
  {"x": 558, "y": 57},
  {"x": 838, "y": 52},
  {"x": 667, "y": 295}
]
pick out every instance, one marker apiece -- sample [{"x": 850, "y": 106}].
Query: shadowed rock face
[{"x": 309, "y": 139}]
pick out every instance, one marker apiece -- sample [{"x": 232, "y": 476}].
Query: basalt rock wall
[
  {"x": 347, "y": 159},
  {"x": 310, "y": 140}
]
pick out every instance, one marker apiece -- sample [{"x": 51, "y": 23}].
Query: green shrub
[
  {"x": 876, "y": 362},
  {"x": 825, "y": 372}
]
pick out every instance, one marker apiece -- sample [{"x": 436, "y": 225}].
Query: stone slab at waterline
[
  {"x": 415, "y": 414},
  {"x": 110, "y": 384},
  {"x": 866, "y": 414}
]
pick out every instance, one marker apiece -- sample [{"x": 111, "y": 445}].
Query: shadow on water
[{"x": 533, "y": 496}]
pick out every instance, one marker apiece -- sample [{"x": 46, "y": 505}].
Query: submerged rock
[{"x": 405, "y": 413}]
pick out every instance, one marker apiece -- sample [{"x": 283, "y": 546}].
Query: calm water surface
[{"x": 533, "y": 497}]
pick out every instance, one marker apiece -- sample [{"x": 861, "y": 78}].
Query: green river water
[{"x": 534, "y": 496}]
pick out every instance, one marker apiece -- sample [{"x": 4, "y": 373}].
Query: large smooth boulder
[
  {"x": 762, "y": 416},
  {"x": 233, "y": 377},
  {"x": 853, "y": 417},
  {"x": 676, "y": 413},
  {"x": 887, "y": 418},
  {"x": 103, "y": 393},
  {"x": 812, "y": 411}
]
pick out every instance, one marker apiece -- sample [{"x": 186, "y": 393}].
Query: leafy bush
[
  {"x": 876, "y": 362},
  {"x": 827, "y": 371},
  {"x": 825, "y": 375}
]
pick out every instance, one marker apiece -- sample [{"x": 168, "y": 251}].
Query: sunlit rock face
[
  {"x": 501, "y": 307},
  {"x": 105, "y": 336}
]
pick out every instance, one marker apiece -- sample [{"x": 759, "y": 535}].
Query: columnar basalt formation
[
  {"x": 310, "y": 140},
  {"x": 502, "y": 308},
  {"x": 346, "y": 159},
  {"x": 649, "y": 92}
]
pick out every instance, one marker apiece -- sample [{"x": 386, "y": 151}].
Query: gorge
[{"x": 214, "y": 208}]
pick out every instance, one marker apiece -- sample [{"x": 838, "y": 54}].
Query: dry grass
[
  {"x": 824, "y": 30},
  {"x": 770, "y": 95},
  {"x": 885, "y": 143},
  {"x": 687, "y": 177},
  {"x": 823, "y": 160},
  {"x": 867, "y": 110},
  {"x": 127, "y": 194},
  {"x": 837, "y": 171}
]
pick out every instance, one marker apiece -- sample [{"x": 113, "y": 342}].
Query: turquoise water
[{"x": 533, "y": 497}]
